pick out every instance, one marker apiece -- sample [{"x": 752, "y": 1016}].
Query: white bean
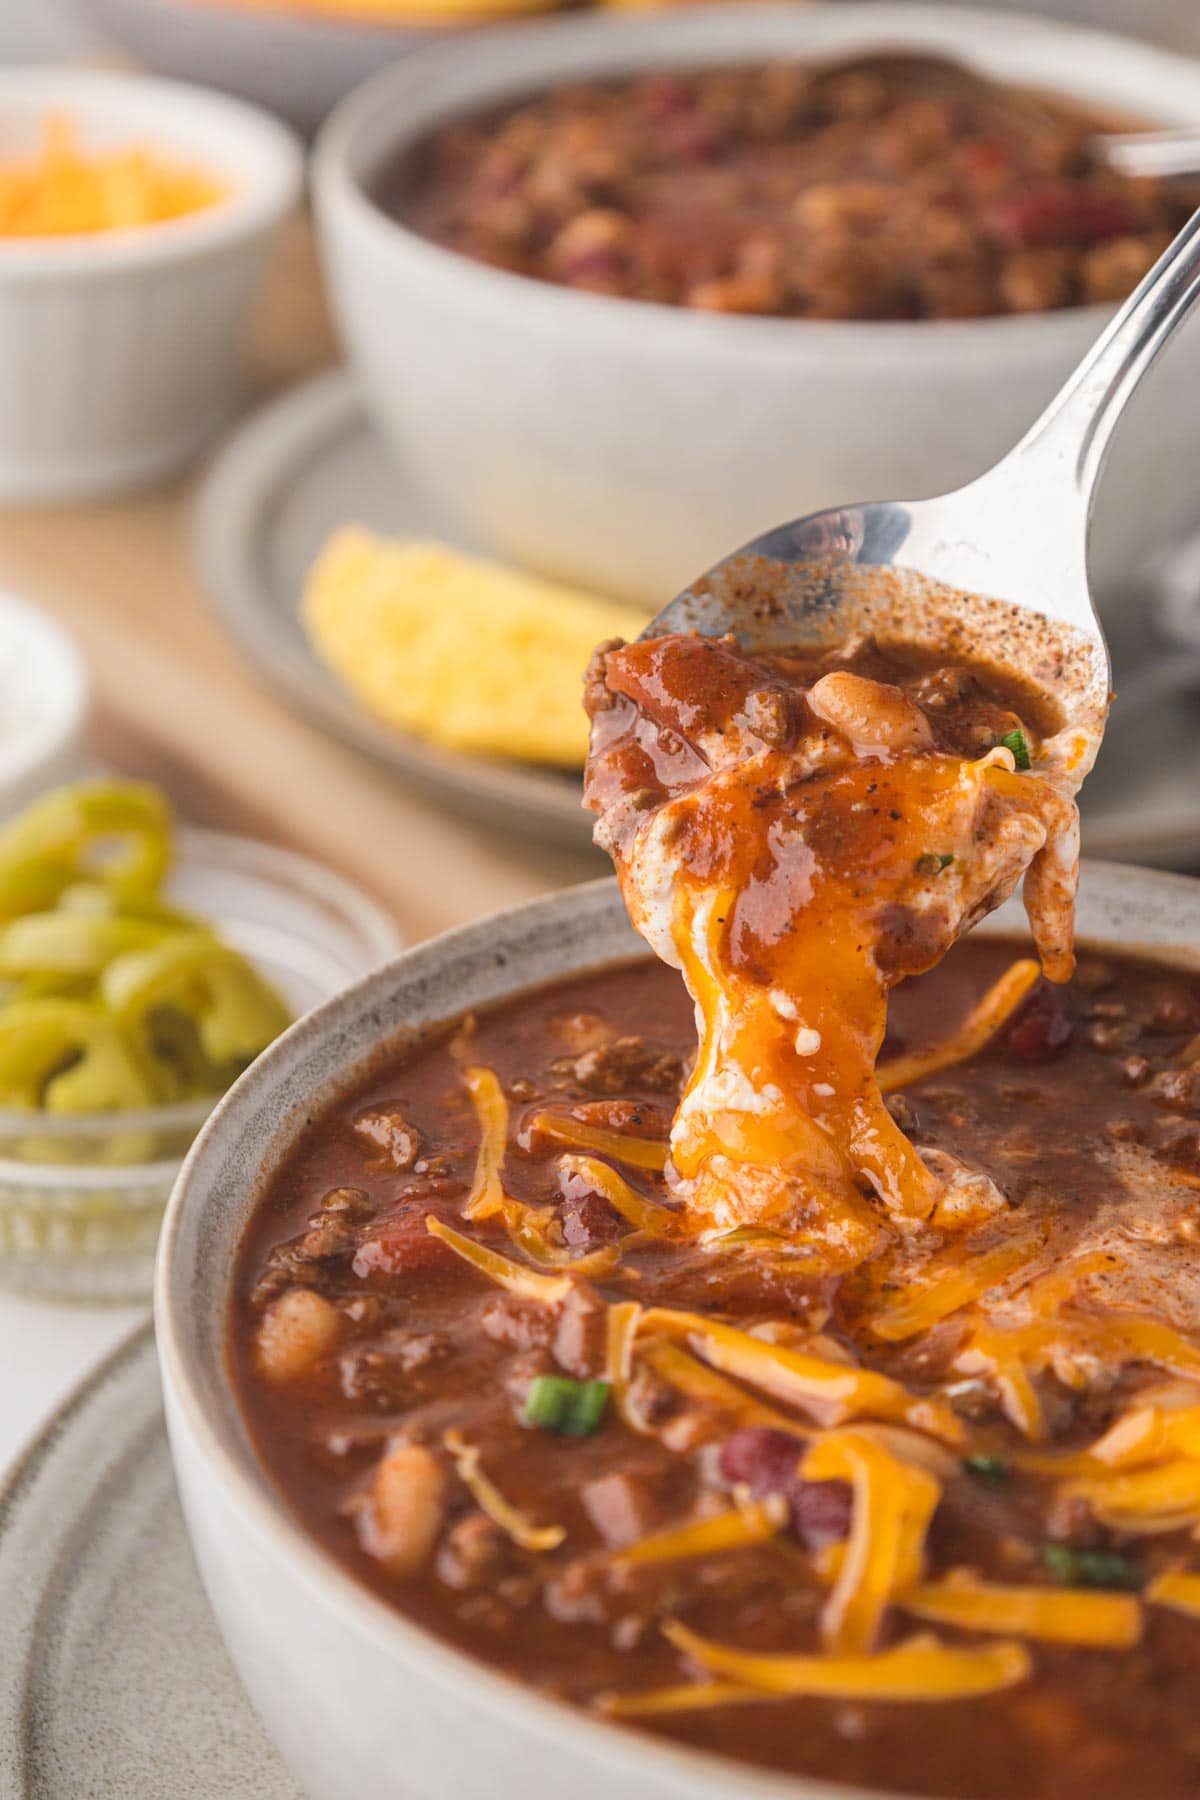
[
  {"x": 405, "y": 1504},
  {"x": 295, "y": 1332}
]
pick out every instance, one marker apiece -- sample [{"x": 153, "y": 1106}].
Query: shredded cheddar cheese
[
  {"x": 490, "y": 1500},
  {"x": 621, "y": 1329},
  {"x": 894, "y": 1502},
  {"x": 1144, "y": 1502},
  {"x": 515, "y": 1278},
  {"x": 1098, "y": 1621},
  {"x": 751, "y": 1522},
  {"x": 531, "y": 1228},
  {"x": 974, "y": 1034},
  {"x": 1178, "y": 1589},
  {"x": 639, "y": 1153},
  {"x": 946, "y": 1291},
  {"x": 66, "y": 191},
  {"x": 830, "y": 1392},
  {"x": 646, "y": 1215},
  {"x": 487, "y": 1197},
  {"x": 695, "y": 1379},
  {"x": 692, "y": 1696},
  {"x": 921, "y": 1668}
]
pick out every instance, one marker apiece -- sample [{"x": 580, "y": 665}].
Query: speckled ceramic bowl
[
  {"x": 364, "y": 1704},
  {"x": 624, "y": 445}
]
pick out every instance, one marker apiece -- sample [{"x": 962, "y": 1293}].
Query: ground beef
[{"x": 895, "y": 187}]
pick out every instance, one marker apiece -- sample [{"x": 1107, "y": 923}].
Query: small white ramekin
[{"x": 120, "y": 351}]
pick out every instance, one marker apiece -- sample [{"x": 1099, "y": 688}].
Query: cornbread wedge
[{"x": 464, "y": 652}]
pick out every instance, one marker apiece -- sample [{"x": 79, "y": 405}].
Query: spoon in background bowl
[
  {"x": 995, "y": 571},
  {"x": 1154, "y": 155}
]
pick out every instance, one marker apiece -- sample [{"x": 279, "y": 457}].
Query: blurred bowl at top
[
  {"x": 297, "y": 61},
  {"x": 625, "y": 445},
  {"x": 120, "y": 348}
]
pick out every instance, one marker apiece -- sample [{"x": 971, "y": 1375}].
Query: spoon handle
[{"x": 1068, "y": 444}]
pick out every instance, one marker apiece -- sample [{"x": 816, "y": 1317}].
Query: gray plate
[
  {"x": 304, "y": 466},
  {"x": 113, "y": 1679},
  {"x": 312, "y": 461}
]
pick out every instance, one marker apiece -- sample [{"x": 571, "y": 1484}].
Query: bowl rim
[
  {"x": 321, "y": 25},
  {"x": 248, "y": 1486},
  {"x": 340, "y": 193},
  {"x": 269, "y": 155}
]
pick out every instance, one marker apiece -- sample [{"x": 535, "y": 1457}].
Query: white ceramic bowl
[
  {"x": 298, "y": 65},
  {"x": 364, "y": 1704},
  {"x": 43, "y": 703},
  {"x": 120, "y": 351},
  {"x": 627, "y": 445}
]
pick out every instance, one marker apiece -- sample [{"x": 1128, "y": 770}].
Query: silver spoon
[
  {"x": 1157, "y": 154},
  {"x": 996, "y": 570}
]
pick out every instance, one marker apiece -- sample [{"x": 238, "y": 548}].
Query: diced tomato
[{"x": 401, "y": 1243}]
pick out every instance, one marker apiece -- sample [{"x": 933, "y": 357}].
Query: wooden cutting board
[{"x": 173, "y": 703}]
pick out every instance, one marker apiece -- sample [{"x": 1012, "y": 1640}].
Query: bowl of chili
[
  {"x": 367, "y": 1685},
  {"x": 591, "y": 367}
]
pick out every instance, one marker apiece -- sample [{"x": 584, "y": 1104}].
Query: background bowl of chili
[
  {"x": 622, "y": 444},
  {"x": 359, "y": 1699}
]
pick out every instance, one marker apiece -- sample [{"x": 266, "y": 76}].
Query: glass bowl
[{"x": 81, "y": 1196}]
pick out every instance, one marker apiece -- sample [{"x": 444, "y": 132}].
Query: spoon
[
  {"x": 1156, "y": 154},
  {"x": 995, "y": 571}
]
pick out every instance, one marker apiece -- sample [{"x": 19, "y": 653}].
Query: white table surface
[{"x": 45, "y": 1351}]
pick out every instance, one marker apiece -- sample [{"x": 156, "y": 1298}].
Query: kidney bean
[
  {"x": 766, "y": 1461},
  {"x": 1042, "y": 1028}
]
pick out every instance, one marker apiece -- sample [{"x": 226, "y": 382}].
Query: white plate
[
  {"x": 302, "y": 467},
  {"x": 113, "y": 1678},
  {"x": 312, "y": 461}
]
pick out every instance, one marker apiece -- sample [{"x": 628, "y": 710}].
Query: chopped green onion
[
  {"x": 1090, "y": 1568},
  {"x": 1018, "y": 743},
  {"x": 934, "y": 861},
  {"x": 572, "y": 1408},
  {"x": 984, "y": 1467}
]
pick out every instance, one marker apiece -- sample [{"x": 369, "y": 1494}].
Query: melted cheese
[
  {"x": 946, "y": 1290},
  {"x": 794, "y": 876}
]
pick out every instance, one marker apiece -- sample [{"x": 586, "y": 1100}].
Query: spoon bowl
[{"x": 994, "y": 572}]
